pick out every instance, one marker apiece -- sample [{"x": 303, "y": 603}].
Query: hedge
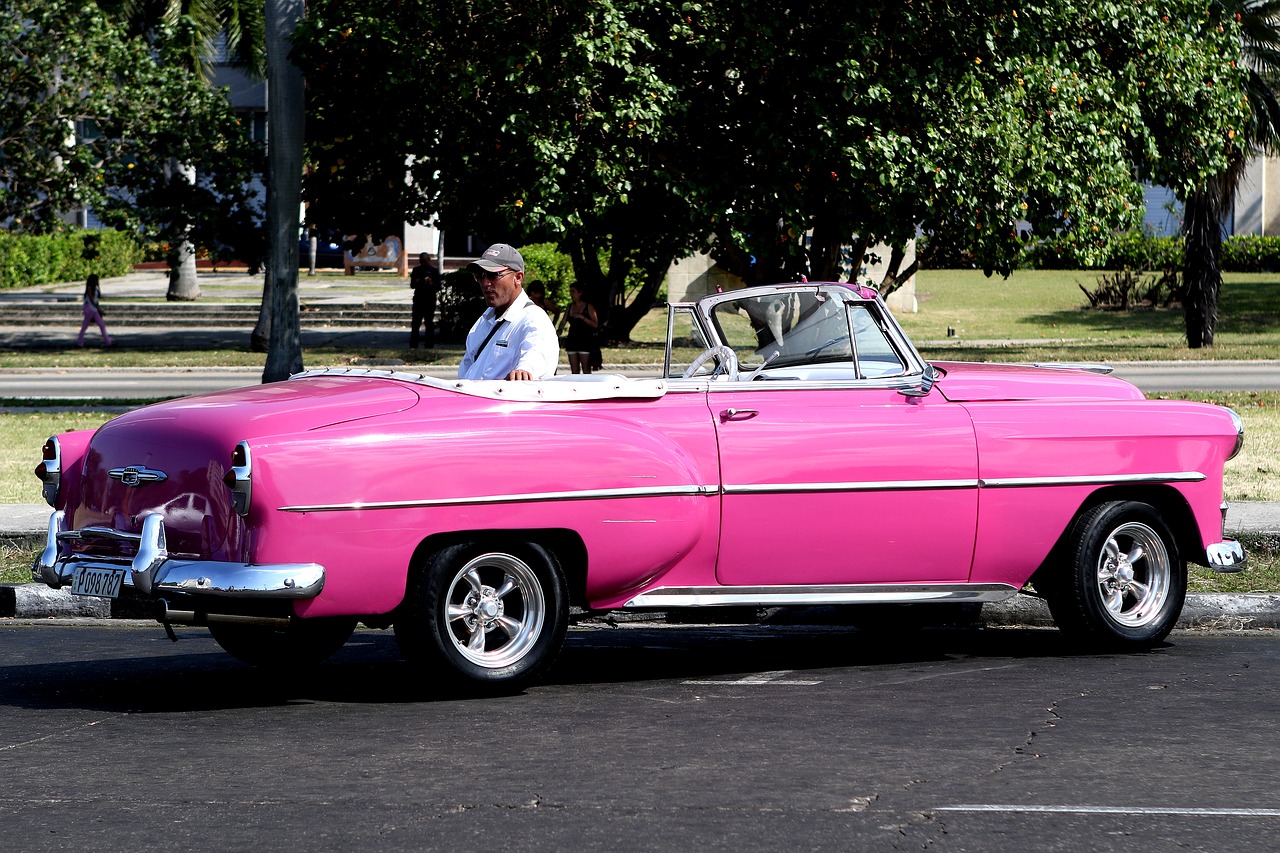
[
  {"x": 1244, "y": 253},
  {"x": 30, "y": 259}
]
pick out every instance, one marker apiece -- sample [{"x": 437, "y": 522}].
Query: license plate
[{"x": 104, "y": 583}]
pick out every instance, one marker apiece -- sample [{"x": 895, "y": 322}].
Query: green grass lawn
[{"x": 1039, "y": 315}]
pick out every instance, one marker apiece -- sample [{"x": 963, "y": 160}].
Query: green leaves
[
  {"x": 773, "y": 130},
  {"x": 91, "y": 118}
]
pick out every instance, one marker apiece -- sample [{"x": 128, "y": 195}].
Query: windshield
[{"x": 790, "y": 329}]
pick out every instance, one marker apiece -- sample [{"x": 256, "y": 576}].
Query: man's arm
[{"x": 539, "y": 348}]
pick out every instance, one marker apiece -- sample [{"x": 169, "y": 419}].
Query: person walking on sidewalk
[{"x": 92, "y": 310}]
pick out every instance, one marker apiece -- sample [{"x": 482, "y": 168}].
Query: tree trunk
[
  {"x": 260, "y": 337},
  {"x": 285, "y": 131},
  {"x": 183, "y": 284},
  {"x": 622, "y": 322},
  {"x": 1202, "y": 277}
]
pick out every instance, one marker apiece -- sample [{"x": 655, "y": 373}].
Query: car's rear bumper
[{"x": 151, "y": 571}]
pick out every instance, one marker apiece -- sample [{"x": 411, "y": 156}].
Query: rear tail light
[
  {"x": 239, "y": 478},
  {"x": 50, "y": 470}
]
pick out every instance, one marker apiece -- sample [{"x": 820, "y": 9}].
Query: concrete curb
[
  {"x": 1216, "y": 611},
  {"x": 37, "y": 601}
]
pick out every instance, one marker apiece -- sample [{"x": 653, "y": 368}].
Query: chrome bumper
[
  {"x": 1226, "y": 556},
  {"x": 153, "y": 572}
]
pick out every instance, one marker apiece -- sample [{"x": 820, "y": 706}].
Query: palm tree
[
  {"x": 1206, "y": 209},
  {"x": 285, "y": 132}
]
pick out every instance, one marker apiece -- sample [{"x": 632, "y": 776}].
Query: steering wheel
[{"x": 728, "y": 362}]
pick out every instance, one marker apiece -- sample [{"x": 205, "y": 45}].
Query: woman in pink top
[{"x": 93, "y": 313}]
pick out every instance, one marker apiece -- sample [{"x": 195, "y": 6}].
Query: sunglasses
[{"x": 490, "y": 276}]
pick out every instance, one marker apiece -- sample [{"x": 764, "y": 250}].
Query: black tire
[
  {"x": 492, "y": 618},
  {"x": 304, "y": 643},
  {"x": 1122, "y": 583}
]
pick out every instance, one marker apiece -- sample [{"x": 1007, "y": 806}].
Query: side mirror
[{"x": 928, "y": 377}]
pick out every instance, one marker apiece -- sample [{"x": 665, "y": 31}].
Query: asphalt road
[
  {"x": 646, "y": 738},
  {"x": 139, "y": 383}
]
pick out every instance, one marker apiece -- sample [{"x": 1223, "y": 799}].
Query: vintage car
[{"x": 806, "y": 456}]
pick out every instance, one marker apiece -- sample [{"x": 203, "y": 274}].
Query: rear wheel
[
  {"x": 303, "y": 643},
  {"x": 1124, "y": 581},
  {"x": 486, "y": 617}
]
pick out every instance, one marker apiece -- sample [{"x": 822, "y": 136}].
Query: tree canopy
[
  {"x": 91, "y": 117},
  {"x": 775, "y": 133}
]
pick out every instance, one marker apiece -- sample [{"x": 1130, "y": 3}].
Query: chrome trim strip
[
  {"x": 1239, "y": 424},
  {"x": 1092, "y": 480},
  {"x": 756, "y": 489},
  {"x": 777, "y": 596},
  {"x": 1087, "y": 366},
  {"x": 530, "y": 497},
  {"x": 871, "y": 486}
]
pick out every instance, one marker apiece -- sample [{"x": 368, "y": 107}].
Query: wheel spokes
[
  {"x": 476, "y": 641},
  {"x": 508, "y": 584},
  {"x": 480, "y": 602}
]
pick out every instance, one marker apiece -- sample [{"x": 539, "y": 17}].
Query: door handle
[{"x": 738, "y": 414}]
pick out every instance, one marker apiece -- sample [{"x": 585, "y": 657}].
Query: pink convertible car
[{"x": 806, "y": 456}]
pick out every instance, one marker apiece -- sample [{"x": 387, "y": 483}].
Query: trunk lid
[{"x": 170, "y": 458}]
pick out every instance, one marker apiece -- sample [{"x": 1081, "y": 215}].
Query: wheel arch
[
  {"x": 1165, "y": 499},
  {"x": 565, "y": 545}
]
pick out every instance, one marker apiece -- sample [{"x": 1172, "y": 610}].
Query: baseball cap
[{"x": 499, "y": 256}]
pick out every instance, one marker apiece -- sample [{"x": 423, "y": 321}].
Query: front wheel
[
  {"x": 1124, "y": 582},
  {"x": 487, "y": 617}
]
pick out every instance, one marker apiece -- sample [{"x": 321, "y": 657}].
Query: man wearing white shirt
[{"x": 514, "y": 338}]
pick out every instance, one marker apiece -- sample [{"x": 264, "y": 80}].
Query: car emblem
[{"x": 136, "y": 475}]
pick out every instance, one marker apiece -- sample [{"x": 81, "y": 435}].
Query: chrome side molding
[{"x": 820, "y": 594}]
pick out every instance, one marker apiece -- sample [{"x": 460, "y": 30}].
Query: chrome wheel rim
[
  {"x": 494, "y": 610},
  {"x": 1134, "y": 575}
]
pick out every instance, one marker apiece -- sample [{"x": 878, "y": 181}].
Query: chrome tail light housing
[
  {"x": 239, "y": 478},
  {"x": 50, "y": 470}
]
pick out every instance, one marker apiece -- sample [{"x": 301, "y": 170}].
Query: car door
[{"x": 829, "y": 473}]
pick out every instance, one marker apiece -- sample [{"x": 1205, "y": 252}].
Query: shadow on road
[{"x": 195, "y": 675}]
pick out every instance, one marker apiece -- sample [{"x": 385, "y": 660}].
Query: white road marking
[
  {"x": 772, "y": 678},
  {"x": 1104, "y": 810}
]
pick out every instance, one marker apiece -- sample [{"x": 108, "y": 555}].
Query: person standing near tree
[
  {"x": 583, "y": 326},
  {"x": 513, "y": 338},
  {"x": 425, "y": 281},
  {"x": 92, "y": 310}
]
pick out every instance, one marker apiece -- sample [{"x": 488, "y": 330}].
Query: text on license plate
[{"x": 100, "y": 582}]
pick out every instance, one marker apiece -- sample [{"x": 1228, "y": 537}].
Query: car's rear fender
[{"x": 565, "y": 545}]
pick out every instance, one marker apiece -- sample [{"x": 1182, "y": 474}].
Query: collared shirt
[{"x": 525, "y": 340}]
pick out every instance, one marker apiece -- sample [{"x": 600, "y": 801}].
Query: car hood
[{"x": 966, "y": 382}]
